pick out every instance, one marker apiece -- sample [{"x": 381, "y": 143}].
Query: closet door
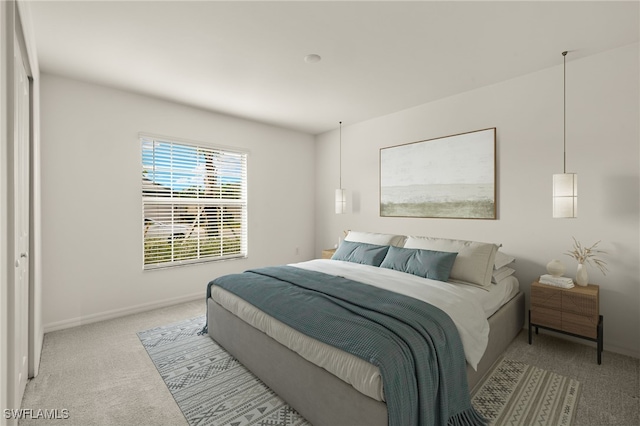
[{"x": 21, "y": 172}]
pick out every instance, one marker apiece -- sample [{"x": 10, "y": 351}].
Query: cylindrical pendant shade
[
  {"x": 565, "y": 195},
  {"x": 341, "y": 201}
]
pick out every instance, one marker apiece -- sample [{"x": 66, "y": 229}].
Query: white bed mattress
[
  {"x": 468, "y": 307},
  {"x": 497, "y": 295}
]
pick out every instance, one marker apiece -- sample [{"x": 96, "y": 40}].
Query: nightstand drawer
[
  {"x": 579, "y": 324},
  {"x": 546, "y": 317},
  {"x": 582, "y": 304},
  {"x": 546, "y": 297}
]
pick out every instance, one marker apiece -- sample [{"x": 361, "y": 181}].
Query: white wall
[
  {"x": 602, "y": 147},
  {"x": 91, "y": 200}
]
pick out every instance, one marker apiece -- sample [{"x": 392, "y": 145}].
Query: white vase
[
  {"x": 582, "y": 278},
  {"x": 555, "y": 268}
]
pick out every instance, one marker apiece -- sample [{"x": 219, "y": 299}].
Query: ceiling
[{"x": 246, "y": 58}]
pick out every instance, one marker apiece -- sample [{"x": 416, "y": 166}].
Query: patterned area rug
[
  {"x": 518, "y": 394},
  {"x": 213, "y": 388},
  {"x": 209, "y": 385}
]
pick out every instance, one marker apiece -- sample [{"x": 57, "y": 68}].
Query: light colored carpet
[{"x": 101, "y": 373}]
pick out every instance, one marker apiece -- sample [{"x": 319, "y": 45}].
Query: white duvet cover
[{"x": 466, "y": 312}]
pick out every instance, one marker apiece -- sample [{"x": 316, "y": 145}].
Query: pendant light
[
  {"x": 341, "y": 194},
  {"x": 565, "y": 185}
]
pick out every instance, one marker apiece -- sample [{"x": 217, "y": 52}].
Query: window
[{"x": 194, "y": 203}]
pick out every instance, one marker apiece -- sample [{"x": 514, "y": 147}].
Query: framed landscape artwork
[{"x": 448, "y": 177}]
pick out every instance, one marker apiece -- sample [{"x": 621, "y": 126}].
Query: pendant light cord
[
  {"x": 340, "y": 164},
  {"x": 564, "y": 83}
]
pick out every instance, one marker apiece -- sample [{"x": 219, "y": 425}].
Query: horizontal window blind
[{"x": 194, "y": 203}]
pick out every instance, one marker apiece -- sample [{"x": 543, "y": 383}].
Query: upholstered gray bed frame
[{"x": 316, "y": 394}]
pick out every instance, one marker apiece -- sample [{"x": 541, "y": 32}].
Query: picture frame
[{"x": 447, "y": 177}]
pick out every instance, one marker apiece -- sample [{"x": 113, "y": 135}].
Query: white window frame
[{"x": 171, "y": 238}]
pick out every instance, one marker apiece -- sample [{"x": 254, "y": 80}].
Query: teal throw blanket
[{"x": 415, "y": 345}]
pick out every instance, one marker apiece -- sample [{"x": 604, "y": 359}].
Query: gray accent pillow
[
  {"x": 435, "y": 265},
  {"x": 366, "y": 254},
  {"x": 474, "y": 263}
]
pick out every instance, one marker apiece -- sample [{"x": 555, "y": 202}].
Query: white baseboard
[
  {"x": 116, "y": 313},
  {"x": 621, "y": 351}
]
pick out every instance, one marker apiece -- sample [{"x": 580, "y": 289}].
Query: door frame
[{"x": 6, "y": 10}]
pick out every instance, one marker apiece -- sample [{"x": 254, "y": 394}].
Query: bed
[{"x": 330, "y": 386}]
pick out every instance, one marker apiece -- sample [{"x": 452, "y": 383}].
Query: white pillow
[
  {"x": 375, "y": 238},
  {"x": 474, "y": 262},
  {"x": 501, "y": 274},
  {"x": 503, "y": 260}
]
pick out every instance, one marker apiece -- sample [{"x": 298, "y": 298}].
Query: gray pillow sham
[
  {"x": 366, "y": 254},
  {"x": 435, "y": 265}
]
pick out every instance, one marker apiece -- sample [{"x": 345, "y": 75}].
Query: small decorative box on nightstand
[
  {"x": 573, "y": 311},
  {"x": 327, "y": 253}
]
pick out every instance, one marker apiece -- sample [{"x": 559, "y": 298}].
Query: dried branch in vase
[{"x": 588, "y": 255}]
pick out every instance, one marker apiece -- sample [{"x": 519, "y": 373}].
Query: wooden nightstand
[
  {"x": 327, "y": 253},
  {"x": 573, "y": 311}
]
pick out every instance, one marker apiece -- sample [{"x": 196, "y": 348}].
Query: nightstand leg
[
  {"x": 529, "y": 326},
  {"x": 600, "y": 338}
]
